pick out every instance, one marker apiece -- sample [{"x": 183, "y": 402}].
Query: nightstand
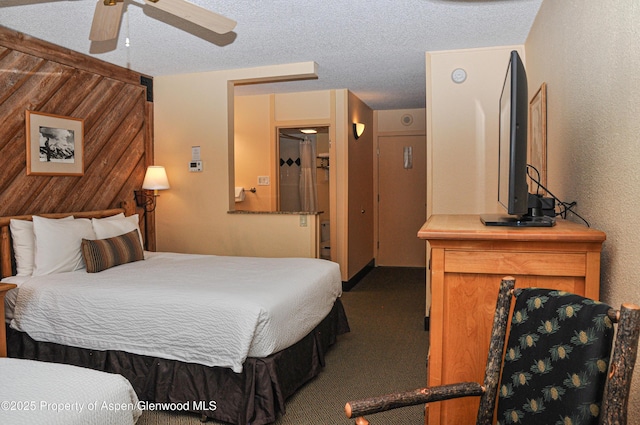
[{"x": 4, "y": 287}]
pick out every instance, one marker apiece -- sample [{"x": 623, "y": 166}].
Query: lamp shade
[
  {"x": 155, "y": 178},
  {"x": 358, "y": 129}
]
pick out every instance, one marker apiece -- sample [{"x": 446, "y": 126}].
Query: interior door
[{"x": 402, "y": 200}]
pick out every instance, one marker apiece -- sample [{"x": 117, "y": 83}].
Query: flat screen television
[{"x": 513, "y": 190}]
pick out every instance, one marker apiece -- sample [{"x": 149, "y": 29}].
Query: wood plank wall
[{"x": 118, "y": 127}]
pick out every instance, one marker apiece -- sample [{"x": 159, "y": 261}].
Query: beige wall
[
  {"x": 192, "y": 216},
  {"x": 360, "y": 208},
  {"x": 253, "y": 151},
  {"x": 391, "y": 121},
  {"x": 587, "y": 53},
  {"x": 462, "y": 130},
  {"x": 303, "y": 106},
  {"x": 351, "y": 170},
  {"x": 256, "y": 119},
  {"x": 198, "y": 110}
]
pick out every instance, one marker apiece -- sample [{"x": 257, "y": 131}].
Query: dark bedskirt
[{"x": 255, "y": 396}]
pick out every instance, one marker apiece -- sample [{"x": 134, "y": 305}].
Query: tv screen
[{"x": 513, "y": 191}]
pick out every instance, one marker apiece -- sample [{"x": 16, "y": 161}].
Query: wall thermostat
[
  {"x": 195, "y": 166},
  {"x": 459, "y": 75}
]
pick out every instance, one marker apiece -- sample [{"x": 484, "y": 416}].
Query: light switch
[{"x": 264, "y": 181}]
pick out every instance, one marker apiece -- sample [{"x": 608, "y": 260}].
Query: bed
[
  {"x": 231, "y": 337},
  {"x": 52, "y": 393}
]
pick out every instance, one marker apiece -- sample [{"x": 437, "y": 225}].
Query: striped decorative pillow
[{"x": 102, "y": 254}]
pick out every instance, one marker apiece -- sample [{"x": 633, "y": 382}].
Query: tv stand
[
  {"x": 466, "y": 262},
  {"x": 541, "y": 213},
  {"x": 517, "y": 221}
]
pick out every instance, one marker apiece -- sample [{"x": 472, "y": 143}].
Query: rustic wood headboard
[{"x": 6, "y": 250}]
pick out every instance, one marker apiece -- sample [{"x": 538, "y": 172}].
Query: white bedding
[
  {"x": 35, "y": 392},
  {"x": 206, "y": 309}
]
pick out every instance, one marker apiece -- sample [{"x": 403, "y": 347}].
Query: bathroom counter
[
  {"x": 276, "y": 212},
  {"x": 289, "y": 227}
]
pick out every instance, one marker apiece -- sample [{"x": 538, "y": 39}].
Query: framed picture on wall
[
  {"x": 538, "y": 138},
  {"x": 55, "y": 145}
]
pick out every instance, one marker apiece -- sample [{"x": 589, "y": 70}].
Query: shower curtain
[{"x": 308, "y": 193}]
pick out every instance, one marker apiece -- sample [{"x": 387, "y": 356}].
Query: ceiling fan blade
[
  {"x": 196, "y": 14},
  {"x": 106, "y": 21}
]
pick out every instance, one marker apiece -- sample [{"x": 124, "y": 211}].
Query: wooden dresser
[{"x": 467, "y": 261}]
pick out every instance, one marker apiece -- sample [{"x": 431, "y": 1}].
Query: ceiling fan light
[{"x": 110, "y": 2}]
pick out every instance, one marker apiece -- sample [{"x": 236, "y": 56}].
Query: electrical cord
[{"x": 565, "y": 207}]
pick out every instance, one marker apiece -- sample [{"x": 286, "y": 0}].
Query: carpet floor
[{"x": 385, "y": 352}]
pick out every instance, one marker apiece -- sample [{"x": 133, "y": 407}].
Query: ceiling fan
[{"x": 108, "y": 13}]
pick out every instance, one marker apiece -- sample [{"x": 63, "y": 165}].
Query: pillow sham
[
  {"x": 58, "y": 243},
  {"x": 102, "y": 254},
  {"x": 24, "y": 245},
  {"x": 111, "y": 217},
  {"x": 115, "y": 226}
]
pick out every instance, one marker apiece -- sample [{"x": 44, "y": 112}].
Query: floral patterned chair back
[{"x": 556, "y": 360}]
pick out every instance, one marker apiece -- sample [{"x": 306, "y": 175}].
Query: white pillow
[
  {"x": 24, "y": 245},
  {"x": 58, "y": 244},
  {"x": 111, "y": 217},
  {"x": 111, "y": 227}
]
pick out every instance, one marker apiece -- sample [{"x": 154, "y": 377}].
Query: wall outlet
[
  {"x": 303, "y": 221},
  {"x": 264, "y": 181}
]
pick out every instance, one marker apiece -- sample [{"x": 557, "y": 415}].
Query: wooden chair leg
[
  {"x": 618, "y": 389},
  {"x": 361, "y": 421}
]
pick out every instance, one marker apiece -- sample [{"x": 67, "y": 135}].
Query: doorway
[
  {"x": 303, "y": 176},
  {"x": 402, "y": 200}
]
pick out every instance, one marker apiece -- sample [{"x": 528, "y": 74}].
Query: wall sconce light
[
  {"x": 155, "y": 179},
  {"x": 358, "y": 129}
]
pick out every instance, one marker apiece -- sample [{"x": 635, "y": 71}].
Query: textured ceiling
[{"x": 375, "y": 48}]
